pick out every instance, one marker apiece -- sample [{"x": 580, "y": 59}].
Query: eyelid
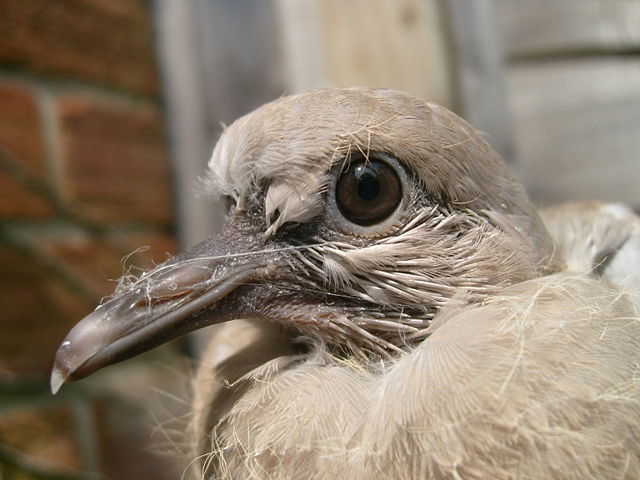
[{"x": 337, "y": 220}]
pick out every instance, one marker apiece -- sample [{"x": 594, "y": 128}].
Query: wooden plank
[
  {"x": 240, "y": 55},
  {"x": 478, "y": 65},
  {"x": 392, "y": 44},
  {"x": 220, "y": 60},
  {"x": 303, "y": 46},
  {"x": 567, "y": 27},
  {"x": 577, "y": 128},
  {"x": 187, "y": 117}
]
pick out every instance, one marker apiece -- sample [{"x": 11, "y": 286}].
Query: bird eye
[{"x": 368, "y": 191}]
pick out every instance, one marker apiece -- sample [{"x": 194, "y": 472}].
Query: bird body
[
  {"x": 540, "y": 381},
  {"x": 408, "y": 314}
]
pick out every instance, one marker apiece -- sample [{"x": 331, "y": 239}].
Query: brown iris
[{"x": 368, "y": 191}]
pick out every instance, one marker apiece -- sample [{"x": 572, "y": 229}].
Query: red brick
[
  {"x": 152, "y": 249},
  {"x": 106, "y": 41},
  {"x": 16, "y": 201},
  {"x": 45, "y": 436},
  {"x": 95, "y": 262},
  {"x": 115, "y": 159},
  {"x": 38, "y": 308},
  {"x": 100, "y": 263},
  {"x": 21, "y": 144},
  {"x": 19, "y": 124},
  {"x": 128, "y": 446},
  {"x": 36, "y": 311}
]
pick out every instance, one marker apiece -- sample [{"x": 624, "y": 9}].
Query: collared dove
[{"x": 407, "y": 313}]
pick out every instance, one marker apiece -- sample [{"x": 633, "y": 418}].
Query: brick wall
[{"x": 84, "y": 180}]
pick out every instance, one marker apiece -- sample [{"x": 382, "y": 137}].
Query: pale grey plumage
[
  {"x": 539, "y": 380},
  {"x": 451, "y": 339},
  {"x": 528, "y": 385},
  {"x": 473, "y": 210}
]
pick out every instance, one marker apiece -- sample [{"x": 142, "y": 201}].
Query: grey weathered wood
[
  {"x": 241, "y": 58},
  {"x": 577, "y": 124},
  {"x": 220, "y": 60},
  {"x": 398, "y": 44},
  {"x": 187, "y": 117},
  {"x": 478, "y": 64},
  {"x": 303, "y": 47},
  {"x": 553, "y": 27}
]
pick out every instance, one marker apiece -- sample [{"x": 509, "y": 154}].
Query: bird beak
[{"x": 185, "y": 293}]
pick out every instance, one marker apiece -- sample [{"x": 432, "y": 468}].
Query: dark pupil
[
  {"x": 368, "y": 186},
  {"x": 368, "y": 192}
]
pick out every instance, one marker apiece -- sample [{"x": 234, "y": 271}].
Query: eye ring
[{"x": 366, "y": 193}]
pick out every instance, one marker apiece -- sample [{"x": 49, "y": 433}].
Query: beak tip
[{"x": 58, "y": 378}]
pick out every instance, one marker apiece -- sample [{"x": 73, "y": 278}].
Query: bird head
[{"x": 354, "y": 216}]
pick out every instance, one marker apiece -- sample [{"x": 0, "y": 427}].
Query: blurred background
[{"x": 109, "y": 110}]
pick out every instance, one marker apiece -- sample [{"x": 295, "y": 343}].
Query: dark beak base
[{"x": 183, "y": 294}]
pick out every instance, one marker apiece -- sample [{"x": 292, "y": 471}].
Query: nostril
[{"x": 176, "y": 282}]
